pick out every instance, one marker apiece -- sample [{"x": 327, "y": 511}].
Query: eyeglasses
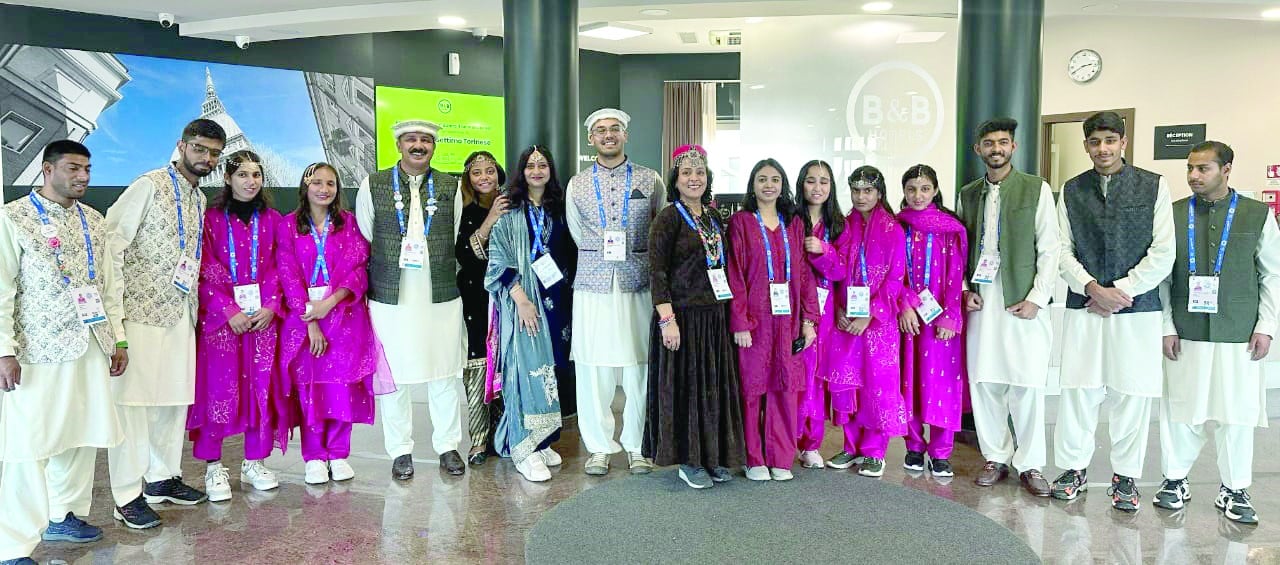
[
  {"x": 202, "y": 150},
  {"x": 615, "y": 129}
]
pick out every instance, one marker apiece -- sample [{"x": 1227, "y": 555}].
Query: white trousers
[
  {"x": 596, "y": 425},
  {"x": 444, "y": 400},
  {"x": 1129, "y": 420},
  {"x": 151, "y": 450},
  {"x": 1180, "y": 445},
  {"x": 993, "y": 406},
  {"x": 34, "y": 493}
]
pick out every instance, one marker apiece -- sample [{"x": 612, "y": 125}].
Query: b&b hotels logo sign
[{"x": 896, "y": 109}]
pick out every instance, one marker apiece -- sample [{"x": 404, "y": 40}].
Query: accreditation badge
[
  {"x": 857, "y": 302},
  {"x": 988, "y": 267},
  {"x": 615, "y": 245},
  {"x": 413, "y": 253},
  {"x": 248, "y": 298},
  {"x": 719, "y": 284},
  {"x": 1203, "y": 298},
  {"x": 929, "y": 309},
  {"x": 315, "y": 294},
  {"x": 89, "y": 305},
  {"x": 185, "y": 273},
  {"x": 780, "y": 298},
  {"x": 823, "y": 294},
  {"x": 547, "y": 270}
]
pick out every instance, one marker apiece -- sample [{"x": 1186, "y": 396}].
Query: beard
[
  {"x": 995, "y": 161},
  {"x": 200, "y": 169}
]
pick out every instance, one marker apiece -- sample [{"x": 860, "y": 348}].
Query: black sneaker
[
  {"x": 941, "y": 468},
  {"x": 914, "y": 461},
  {"x": 71, "y": 529},
  {"x": 1235, "y": 505},
  {"x": 137, "y": 515},
  {"x": 1124, "y": 493},
  {"x": 1173, "y": 494},
  {"x": 173, "y": 490},
  {"x": 1070, "y": 484}
]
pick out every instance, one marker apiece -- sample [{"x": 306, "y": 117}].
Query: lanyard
[
  {"x": 182, "y": 230},
  {"x": 1226, "y": 233},
  {"x": 719, "y": 252},
  {"x": 253, "y": 249},
  {"x": 431, "y": 202},
  {"x": 928, "y": 259},
  {"x": 626, "y": 198},
  {"x": 538, "y": 219},
  {"x": 768, "y": 249},
  {"x": 321, "y": 239},
  {"x": 57, "y": 246}
]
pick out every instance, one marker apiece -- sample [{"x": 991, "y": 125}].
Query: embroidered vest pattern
[
  {"x": 149, "y": 295},
  {"x": 594, "y": 273}
]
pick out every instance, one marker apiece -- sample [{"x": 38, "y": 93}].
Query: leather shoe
[
  {"x": 991, "y": 474},
  {"x": 402, "y": 467},
  {"x": 452, "y": 463},
  {"x": 1035, "y": 483}
]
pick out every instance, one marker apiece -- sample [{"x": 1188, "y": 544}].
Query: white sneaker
[
  {"x": 811, "y": 460},
  {"x": 317, "y": 472},
  {"x": 534, "y": 469},
  {"x": 780, "y": 474},
  {"x": 760, "y": 473},
  {"x": 217, "y": 483},
  {"x": 258, "y": 475},
  {"x": 341, "y": 470},
  {"x": 550, "y": 457}
]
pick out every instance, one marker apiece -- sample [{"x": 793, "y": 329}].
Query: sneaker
[
  {"x": 1173, "y": 494},
  {"x": 811, "y": 459},
  {"x": 760, "y": 473},
  {"x": 779, "y": 474},
  {"x": 258, "y": 475},
  {"x": 137, "y": 515},
  {"x": 1124, "y": 493},
  {"x": 316, "y": 472},
  {"x": 172, "y": 490},
  {"x": 217, "y": 483},
  {"x": 597, "y": 464},
  {"x": 341, "y": 470},
  {"x": 871, "y": 467},
  {"x": 941, "y": 468},
  {"x": 550, "y": 457},
  {"x": 638, "y": 464},
  {"x": 843, "y": 460},
  {"x": 721, "y": 475},
  {"x": 20, "y": 561},
  {"x": 695, "y": 477},
  {"x": 914, "y": 461},
  {"x": 1070, "y": 484},
  {"x": 1235, "y": 505},
  {"x": 534, "y": 469},
  {"x": 71, "y": 529}
]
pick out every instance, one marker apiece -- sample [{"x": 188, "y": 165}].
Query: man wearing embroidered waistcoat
[
  {"x": 414, "y": 302},
  {"x": 155, "y": 228},
  {"x": 608, "y": 210},
  {"x": 1220, "y": 311},
  {"x": 1117, "y": 232},
  {"x": 61, "y": 340}
]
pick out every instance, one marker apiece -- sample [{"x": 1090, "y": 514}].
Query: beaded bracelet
[{"x": 666, "y": 321}]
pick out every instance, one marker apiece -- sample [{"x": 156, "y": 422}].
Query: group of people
[{"x": 735, "y": 340}]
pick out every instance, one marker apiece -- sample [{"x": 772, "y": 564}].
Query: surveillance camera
[
  {"x": 479, "y": 32},
  {"x": 166, "y": 20},
  {"x": 242, "y": 41}
]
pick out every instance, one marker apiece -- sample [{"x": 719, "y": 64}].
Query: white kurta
[
  {"x": 162, "y": 361},
  {"x": 1003, "y": 348},
  {"x": 424, "y": 341},
  {"x": 1219, "y": 381},
  {"x": 1121, "y": 352}
]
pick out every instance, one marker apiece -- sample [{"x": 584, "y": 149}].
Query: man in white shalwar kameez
[
  {"x": 1116, "y": 222},
  {"x": 1215, "y": 338},
  {"x": 608, "y": 208},
  {"x": 1013, "y": 226},
  {"x": 56, "y": 358},
  {"x": 155, "y": 227},
  {"x": 414, "y": 301}
]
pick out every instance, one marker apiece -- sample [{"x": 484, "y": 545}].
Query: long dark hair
[
  {"x": 832, "y": 215},
  {"x": 872, "y": 175},
  {"x": 304, "y": 206},
  {"x": 469, "y": 193},
  {"x": 234, "y": 162},
  {"x": 518, "y": 188},
  {"x": 786, "y": 204},
  {"x": 926, "y": 172}
]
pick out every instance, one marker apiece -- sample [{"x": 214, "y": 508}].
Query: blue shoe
[
  {"x": 19, "y": 561},
  {"x": 71, "y": 529}
]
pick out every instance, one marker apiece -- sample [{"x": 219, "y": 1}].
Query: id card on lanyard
[
  {"x": 823, "y": 291},
  {"x": 715, "y": 260},
  {"x": 779, "y": 293},
  {"x": 615, "y": 241},
  {"x": 857, "y": 298},
  {"x": 1202, "y": 297},
  {"x": 929, "y": 309},
  {"x": 544, "y": 266},
  {"x": 248, "y": 296},
  {"x": 318, "y": 292},
  {"x": 88, "y": 301},
  {"x": 413, "y": 251},
  {"x": 187, "y": 270}
]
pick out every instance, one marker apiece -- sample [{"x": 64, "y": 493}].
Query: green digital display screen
[{"x": 468, "y": 122}]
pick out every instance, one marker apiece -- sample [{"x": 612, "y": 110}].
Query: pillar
[{"x": 540, "y": 62}]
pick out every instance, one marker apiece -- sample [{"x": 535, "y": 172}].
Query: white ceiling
[{"x": 267, "y": 20}]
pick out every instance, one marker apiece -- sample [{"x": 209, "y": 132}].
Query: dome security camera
[
  {"x": 166, "y": 20},
  {"x": 242, "y": 41}
]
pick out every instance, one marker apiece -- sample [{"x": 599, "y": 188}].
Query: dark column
[
  {"x": 540, "y": 53},
  {"x": 998, "y": 75}
]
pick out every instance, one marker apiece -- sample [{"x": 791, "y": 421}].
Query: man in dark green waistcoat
[
  {"x": 1220, "y": 311},
  {"x": 410, "y": 213}
]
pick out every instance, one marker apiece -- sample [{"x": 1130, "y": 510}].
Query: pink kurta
[
  {"x": 827, "y": 268},
  {"x": 237, "y": 384},
  {"x": 870, "y": 362},
  {"x": 933, "y": 372}
]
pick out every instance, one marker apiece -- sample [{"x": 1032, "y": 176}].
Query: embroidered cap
[
  {"x": 415, "y": 126},
  {"x": 691, "y": 155}
]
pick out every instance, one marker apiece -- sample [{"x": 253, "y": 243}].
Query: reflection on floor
[{"x": 483, "y": 516}]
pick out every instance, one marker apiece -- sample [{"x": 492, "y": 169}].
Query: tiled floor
[{"x": 483, "y": 516}]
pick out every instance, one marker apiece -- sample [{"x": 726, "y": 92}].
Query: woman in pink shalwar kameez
[
  {"x": 327, "y": 346},
  {"x": 766, "y": 241},
  {"x": 238, "y": 389},
  {"x": 933, "y": 372},
  {"x": 824, "y": 224},
  {"x": 863, "y": 362}
]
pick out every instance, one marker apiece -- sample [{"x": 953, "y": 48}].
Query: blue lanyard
[
  {"x": 719, "y": 244},
  {"x": 253, "y": 249},
  {"x": 431, "y": 202},
  {"x": 182, "y": 230},
  {"x": 321, "y": 265},
  {"x": 768, "y": 249},
  {"x": 537, "y": 219},
  {"x": 928, "y": 259},
  {"x": 626, "y": 198},
  {"x": 57, "y": 249},
  {"x": 1226, "y": 233}
]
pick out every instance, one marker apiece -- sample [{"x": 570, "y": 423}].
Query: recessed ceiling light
[
  {"x": 877, "y": 6},
  {"x": 451, "y": 21},
  {"x": 612, "y": 31},
  {"x": 920, "y": 36},
  {"x": 655, "y": 12},
  {"x": 1272, "y": 14},
  {"x": 756, "y": 86},
  {"x": 754, "y": 20}
]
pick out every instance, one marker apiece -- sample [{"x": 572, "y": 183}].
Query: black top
[
  {"x": 678, "y": 260},
  {"x": 475, "y": 300}
]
